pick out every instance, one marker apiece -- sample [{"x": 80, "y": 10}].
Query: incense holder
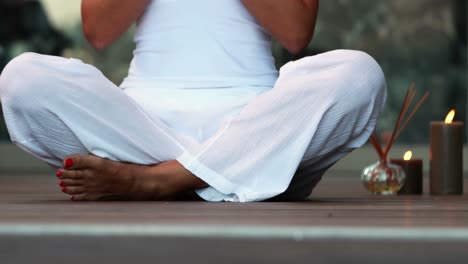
[{"x": 383, "y": 178}]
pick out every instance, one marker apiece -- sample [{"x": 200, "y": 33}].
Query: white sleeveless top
[{"x": 200, "y": 44}]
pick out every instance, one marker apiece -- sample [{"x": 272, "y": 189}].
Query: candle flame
[
  {"x": 450, "y": 117},
  {"x": 408, "y": 155}
]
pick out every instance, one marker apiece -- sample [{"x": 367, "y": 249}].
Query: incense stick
[
  {"x": 399, "y": 127},
  {"x": 400, "y": 117},
  {"x": 375, "y": 142},
  {"x": 426, "y": 95}
]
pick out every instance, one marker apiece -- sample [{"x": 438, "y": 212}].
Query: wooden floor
[{"x": 341, "y": 223}]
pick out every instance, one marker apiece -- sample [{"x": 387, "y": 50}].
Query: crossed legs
[{"x": 321, "y": 108}]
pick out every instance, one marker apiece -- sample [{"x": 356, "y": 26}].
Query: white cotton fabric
[
  {"x": 198, "y": 44},
  {"x": 249, "y": 141},
  {"x": 197, "y": 63}
]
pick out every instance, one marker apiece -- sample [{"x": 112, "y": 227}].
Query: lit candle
[
  {"x": 446, "y": 157},
  {"x": 413, "y": 170}
]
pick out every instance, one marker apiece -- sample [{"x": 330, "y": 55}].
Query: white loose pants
[{"x": 278, "y": 144}]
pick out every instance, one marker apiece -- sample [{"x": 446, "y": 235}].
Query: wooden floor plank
[
  {"x": 53, "y": 250},
  {"x": 339, "y": 200},
  {"x": 340, "y": 223}
]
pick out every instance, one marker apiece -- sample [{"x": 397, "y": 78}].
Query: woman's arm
[
  {"x": 291, "y": 22},
  {"x": 104, "y": 21}
]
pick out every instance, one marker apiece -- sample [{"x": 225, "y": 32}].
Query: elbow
[
  {"x": 90, "y": 30},
  {"x": 297, "y": 43},
  {"x": 96, "y": 43},
  {"x": 296, "y": 46},
  {"x": 94, "y": 37}
]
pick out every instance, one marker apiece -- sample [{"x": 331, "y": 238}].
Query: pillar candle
[
  {"x": 446, "y": 157},
  {"x": 414, "y": 176}
]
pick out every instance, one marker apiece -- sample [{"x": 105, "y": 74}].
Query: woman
[{"x": 202, "y": 109}]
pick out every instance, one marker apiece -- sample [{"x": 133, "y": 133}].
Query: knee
[
  {"x": 17, "y": 78},
  {"x": 25, "y": 84},
  {"x": 363, "y": 80}
]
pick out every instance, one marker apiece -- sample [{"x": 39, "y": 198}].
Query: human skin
[
  {"x": 104, "y": 21},
  {"x": 88, "y": 177},
  {"x": 291, "y": 22}
]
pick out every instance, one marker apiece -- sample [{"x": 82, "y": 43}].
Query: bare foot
[{"x": 91, "y": 178}]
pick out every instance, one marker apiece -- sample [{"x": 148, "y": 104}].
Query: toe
[
  {"x": 70, "y": 182},
  {"x": 69, "y": 174},
  {"x": 70, "y": 162},
  {"x": 74, "y": 161},
  {"x": 77, "y": 161},
  {"x": 73, "y": 190}
]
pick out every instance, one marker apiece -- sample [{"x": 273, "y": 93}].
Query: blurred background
[{"x": 421, "y": 41}]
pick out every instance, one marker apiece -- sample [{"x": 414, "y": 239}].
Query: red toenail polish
[
  {"x": 61, "y": 183},
  {"x": 68, "y": 163},
  {"x": 59, "y": 174},
  {"x": 64, "y": 189}
]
